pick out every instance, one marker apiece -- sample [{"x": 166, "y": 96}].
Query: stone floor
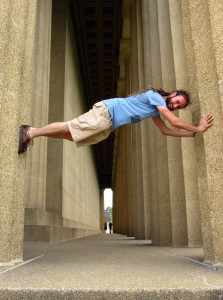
[{"x": 110, "y": 266}]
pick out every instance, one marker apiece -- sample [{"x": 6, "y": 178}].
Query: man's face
[{"x": 175, "y": 102}]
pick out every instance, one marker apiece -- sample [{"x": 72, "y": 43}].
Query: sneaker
[{"x": 24, "y": 138}]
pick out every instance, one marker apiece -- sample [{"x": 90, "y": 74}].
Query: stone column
[
  {"x": 138, "y": 204},
  {"x": 188, "y": 146},
  {"x": 17, "y": 48},
  {"x": 117, "y": 192},
  {"x": 138, "y": 83},
  {"x": 129, "y": 182},
  {"x": 207, "y": 73},
  {"x": 122, "y": 135},
  {"x": 215, "y": 9},
  {"x": 102, "y": 211},
  {"x": 175, "y": 167},
  {"x": 146, "y": 124},
  {"x": 124, "y": 139},
  {"x": 120, "y": 179},
  {"x": 196, "y": 114},
  {"x": 156, "y": 149},
  {"x": 114, "y": 211},
  {"x": 146, "y": 176},
  {"x": 161, "y": 148}
]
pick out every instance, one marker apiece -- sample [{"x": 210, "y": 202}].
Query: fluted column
[
  {"x": 161, "y": 143},
  {"x": 215, "y": 9},
  {"x": 120, "y": 179},
  {"x": 118, "y": 186},
  {"x": 17, "y": 50},
  {"x": 124, "y": 139},
  {"x": 130, "y": 225},
  {"x": 154, "y": 134},
  {"x": 115, "y": 217},
  {"x": 175, "y": 167},
  {"x": 138, "y": 83},
  {"x": 114, "y": 211},
  {"x": 116, "y": 202},
  {"x": 188, "y": 146},
  {"x": 146, "y": 124},
  {"x": 199, "y": 142},
  {"x": 129, "y": 182},
  {"x": 102, "y": 211},
  {"x": 209, "y": 154}
]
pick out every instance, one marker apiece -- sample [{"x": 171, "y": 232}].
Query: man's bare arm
[
  {"x": 202, "y": 125},
  {"x": 172, "y": 132}
]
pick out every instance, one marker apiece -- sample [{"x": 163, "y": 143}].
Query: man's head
[{"x": 177, "y": 100}]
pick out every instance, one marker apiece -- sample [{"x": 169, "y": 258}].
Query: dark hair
[
  {"x": 163, "y": 93},
  {"x": 185, "y": 94}
]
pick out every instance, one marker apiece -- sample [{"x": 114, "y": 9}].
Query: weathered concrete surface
[{"x": 110, "y": 266}]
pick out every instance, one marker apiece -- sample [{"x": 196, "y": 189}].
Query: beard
[{"x": 169, "y": 104}]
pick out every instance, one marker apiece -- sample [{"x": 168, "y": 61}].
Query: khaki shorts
[{"x": 91, "y": 127}]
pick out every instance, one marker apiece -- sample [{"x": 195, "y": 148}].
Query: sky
[{"x": 108, "y": 198}]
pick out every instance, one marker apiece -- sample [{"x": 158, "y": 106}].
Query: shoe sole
[
  {"x": 20, "y": 149},
  {"x": 23, "y": 146}
]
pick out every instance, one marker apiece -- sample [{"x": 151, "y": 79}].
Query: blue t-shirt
[{"x": 134, "y": 108}]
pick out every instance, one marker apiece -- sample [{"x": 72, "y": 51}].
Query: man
[
  {"x": 105, "y": 116},
  {"x": 110, "y": 226}
]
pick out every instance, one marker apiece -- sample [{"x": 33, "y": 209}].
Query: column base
[
  {"x": 43, "y": 226},
  {"x": 53, "y": 234}
]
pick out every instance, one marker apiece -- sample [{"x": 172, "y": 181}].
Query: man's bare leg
[
  {"x": 57, "y": 130},
  {"x": 27, "y": 133}
]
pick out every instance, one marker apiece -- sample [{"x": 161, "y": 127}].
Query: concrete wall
[
  {"x": 81, "y": 195},
  {"x": 71, "y": 206},
  {"x": 180, "y": 184}
]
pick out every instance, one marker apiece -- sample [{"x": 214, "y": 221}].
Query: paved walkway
[{"x": 110, "y": 266}]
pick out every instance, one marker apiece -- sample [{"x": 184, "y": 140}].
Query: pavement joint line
[
  {"x": 193, "y": 260},
  {"x": 19, "y": 265},
  {"x": 201, "y": 263}
]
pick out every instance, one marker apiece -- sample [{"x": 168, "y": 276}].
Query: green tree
[{"x": 108, "y": 214}]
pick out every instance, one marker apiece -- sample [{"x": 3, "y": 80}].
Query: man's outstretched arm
[
  {"x": 172, "y": 132},
  {"x": 202, "y": 125}
]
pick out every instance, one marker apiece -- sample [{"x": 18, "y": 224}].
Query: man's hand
[
  {"x": 201, "y": 126},
  {"x": 205, "y": 123}
]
